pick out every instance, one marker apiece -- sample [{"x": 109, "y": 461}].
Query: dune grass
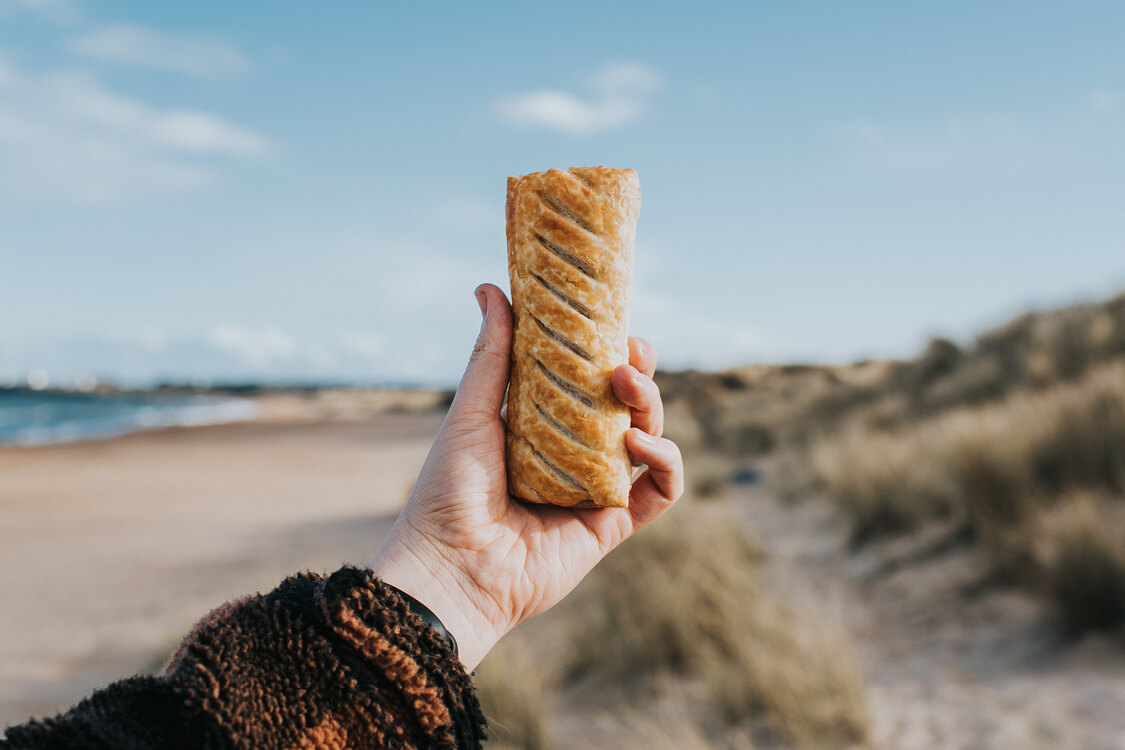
[
  {"x": 1009, "y": 470},
  {"x": 678, "y": 631},
  {"x": 517, "y": 687},
  {"x": 684, "y": 598},
  {"x": 1078, "y": 550},
  {"x": 1032, "y": 352}
]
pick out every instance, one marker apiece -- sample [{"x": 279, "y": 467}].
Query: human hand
[{"x": 484, "y": 562}]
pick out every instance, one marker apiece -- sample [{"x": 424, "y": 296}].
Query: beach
[{"x": 110, "y": 550}]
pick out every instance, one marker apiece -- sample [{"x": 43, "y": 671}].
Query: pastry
[{"x": 570, "y": 259}]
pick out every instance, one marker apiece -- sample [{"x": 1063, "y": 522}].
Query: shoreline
[
  {"x": 114, "y": 548},
  {"x": 158, "y": 410}
]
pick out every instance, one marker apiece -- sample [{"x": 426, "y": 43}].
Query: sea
[{"x": 41, "y": 418}]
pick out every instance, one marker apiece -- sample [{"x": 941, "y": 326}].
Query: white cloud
[
  {"x": 626, "y": 79},
  {"x": 65, "y": 137},
  {"x": 620, "y": 93},
  {"x": 1105, "y": 100},
  {"x": 59, "y": 11},
  {"x": 362, "y": 344},
  {"x": 255, "y": 346},
  {"x": 686, "y": 337},
  {"x": 950, "y": 143},
  {"x": 147, "y": 337},
  {"x": 132, "y": 44}
]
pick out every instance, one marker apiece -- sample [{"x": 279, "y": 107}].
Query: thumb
[{"x": 482, "y": 387}]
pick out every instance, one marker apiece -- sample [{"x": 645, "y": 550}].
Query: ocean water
[{"x": 31, "y": 418}]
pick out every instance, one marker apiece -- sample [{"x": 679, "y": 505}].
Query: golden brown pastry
[{"x": 570, "y": 258}]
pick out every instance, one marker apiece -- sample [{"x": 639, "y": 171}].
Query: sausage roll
[{"x": 570, "y": 259}]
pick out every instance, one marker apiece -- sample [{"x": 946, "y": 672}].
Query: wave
[{"x": 67, "y": 420}]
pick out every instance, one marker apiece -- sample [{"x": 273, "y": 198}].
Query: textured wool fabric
[{"x": 317, "y": 664}]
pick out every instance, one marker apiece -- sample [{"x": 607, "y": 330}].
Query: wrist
[{"x": 427, "y": 577}]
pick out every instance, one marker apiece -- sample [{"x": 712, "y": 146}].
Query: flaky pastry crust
[{"x": 570, "y": 259}]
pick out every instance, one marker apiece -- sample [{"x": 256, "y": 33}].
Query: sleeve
[{"x": 332, "y": 663}]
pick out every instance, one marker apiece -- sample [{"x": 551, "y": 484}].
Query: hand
[{"x": 483, "y": 562}]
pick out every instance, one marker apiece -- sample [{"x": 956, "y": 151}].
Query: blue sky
[{"x": 275, "y": 190}]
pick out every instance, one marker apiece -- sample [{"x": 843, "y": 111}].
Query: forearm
[{"x": 316, "y": 662}]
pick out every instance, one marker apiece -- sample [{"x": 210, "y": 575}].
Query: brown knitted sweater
[{"x": 317, "y": 664}]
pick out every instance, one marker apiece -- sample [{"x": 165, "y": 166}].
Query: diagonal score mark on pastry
[
  {"x": 558, "y": 472},
  {"x": 582, "y": 336},
  {"x": 565, "y": 386},
  {"x": 536, "y": 477},
  {"x": 558, "y": 272},
  {"x": 578, "y": 175},
  {"x": 570, "y": 252},
  {"x": 571, "y": 303},
  {"x": 554, "y": 202},
  {"x": 573, "y": 260},
  {"x": 562, "y": 339},
  {"x": 558, "y": 426}
]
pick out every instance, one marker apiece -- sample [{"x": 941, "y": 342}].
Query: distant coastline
[
  {"x": 40, "y": 416},
  {"x": 45, "y": 417}
]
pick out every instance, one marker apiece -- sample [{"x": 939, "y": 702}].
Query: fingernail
[
  {"x": 644, "y": 438},
  {"x": 482, "y": 300}
]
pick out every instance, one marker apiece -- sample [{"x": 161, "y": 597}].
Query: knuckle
[{"x": 480, "y": 346}]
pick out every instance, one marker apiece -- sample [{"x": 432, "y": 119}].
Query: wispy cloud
[
  {"x": 945, "y": 144},
  {"x": 362, "y": 344},
  {"x": 617, "y": 95},
  {"x": 59, "y": 11},
  {"x": 66, "y": 137},
  {"x": 270, "y": 346},
  {"x": 145, "y": 353},
  {"x": 689, "y": 337},
  {"x": 1105, "y": 100},
  {"x": 143, "y": 336},
  {"x": 254, "y": 346},
  {"x": 131, "y": 44}
]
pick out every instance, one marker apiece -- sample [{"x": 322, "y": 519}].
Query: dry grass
[
  {"x": 880, "y": 482},
  {"x": 1032, "y": 352},
  {"x": 516, "y": 686},
  {"x": 674, "y": 723},
  {"x": 1078, "y": 547},
  {"x": 684, "y": 598},
  {"x": 1002, "y": 468},
  {"x": 676, "y": 633},
  {"x": 708, "y": 475},
  {"x": 992, "y": 462}
]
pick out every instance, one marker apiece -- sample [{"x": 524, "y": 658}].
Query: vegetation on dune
[
  {"x": 684, "y": 602},
  {"x": 1077, "y": 549},
  {"x": 517, "y": 688},
  {"x": 1021, "y": 438},
  {"x": 1032, "y": 352}
]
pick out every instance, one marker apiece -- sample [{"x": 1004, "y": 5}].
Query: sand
[{"x": 110, "y": 550}]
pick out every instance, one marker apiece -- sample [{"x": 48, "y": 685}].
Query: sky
[{"x": 288, "y": 191}]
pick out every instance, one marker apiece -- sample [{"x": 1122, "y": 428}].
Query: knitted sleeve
[{"x": 318, "y": 663}]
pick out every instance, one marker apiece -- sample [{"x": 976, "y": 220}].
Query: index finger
[{"x": 642, "y": 355}]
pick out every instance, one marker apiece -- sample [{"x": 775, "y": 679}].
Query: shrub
[
  {"x": 685, "y": 598},
  {"x": 516, "y": 690},
  {"x": 885, "y": 484},
  {"x": 1079, "y": 550},
  {"x": 992, "y": 465}
]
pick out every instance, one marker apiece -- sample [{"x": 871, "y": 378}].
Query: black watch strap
[{"x": 427, "y": 616}]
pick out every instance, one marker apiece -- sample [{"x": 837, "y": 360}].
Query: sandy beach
[{"x": 110, "y": 550}]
